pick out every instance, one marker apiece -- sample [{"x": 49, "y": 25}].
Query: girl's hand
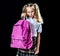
[
  {"x": 23, "y": 15},
  {"x": 36, "y": 50}
]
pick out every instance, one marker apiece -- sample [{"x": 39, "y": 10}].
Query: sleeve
[{"x": 40, "y": 28}]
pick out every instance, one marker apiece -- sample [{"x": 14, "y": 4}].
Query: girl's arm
[
  {"x": 38, "y": 43},
  {"x": 39, "y": 36},
  {"x": 38, "y": 40}
]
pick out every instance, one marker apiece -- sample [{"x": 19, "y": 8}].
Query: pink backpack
[{"x": 21, "y": 36}]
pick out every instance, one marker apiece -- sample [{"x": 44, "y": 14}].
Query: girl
[{"x": 32, "y": 14}]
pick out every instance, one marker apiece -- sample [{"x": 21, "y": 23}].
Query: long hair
[{"x": 37, "y": 14}]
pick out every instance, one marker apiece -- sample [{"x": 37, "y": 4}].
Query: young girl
[{"x": 31, "y": 13}]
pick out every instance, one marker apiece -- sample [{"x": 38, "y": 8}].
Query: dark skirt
[{"x": 29, "y": 52}]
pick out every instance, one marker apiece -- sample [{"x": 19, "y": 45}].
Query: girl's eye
[
  {"x": 32, "y": 11},
  {"x": 28, "y": 12}
]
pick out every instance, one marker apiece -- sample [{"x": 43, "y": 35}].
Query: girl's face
[{"x": 30, "y": 11}]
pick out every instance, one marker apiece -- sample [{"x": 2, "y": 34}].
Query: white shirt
[{"x": 36, "y": 26}]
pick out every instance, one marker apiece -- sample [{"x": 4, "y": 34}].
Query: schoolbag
[{"x": 21, "y": 36}]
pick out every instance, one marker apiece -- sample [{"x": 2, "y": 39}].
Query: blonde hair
[{"x": 36, "y": 10}]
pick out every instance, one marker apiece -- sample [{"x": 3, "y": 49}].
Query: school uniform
[{"x": 36, "y": 27}]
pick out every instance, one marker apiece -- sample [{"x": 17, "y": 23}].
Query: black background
[{"x": 10, "y": 13}]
